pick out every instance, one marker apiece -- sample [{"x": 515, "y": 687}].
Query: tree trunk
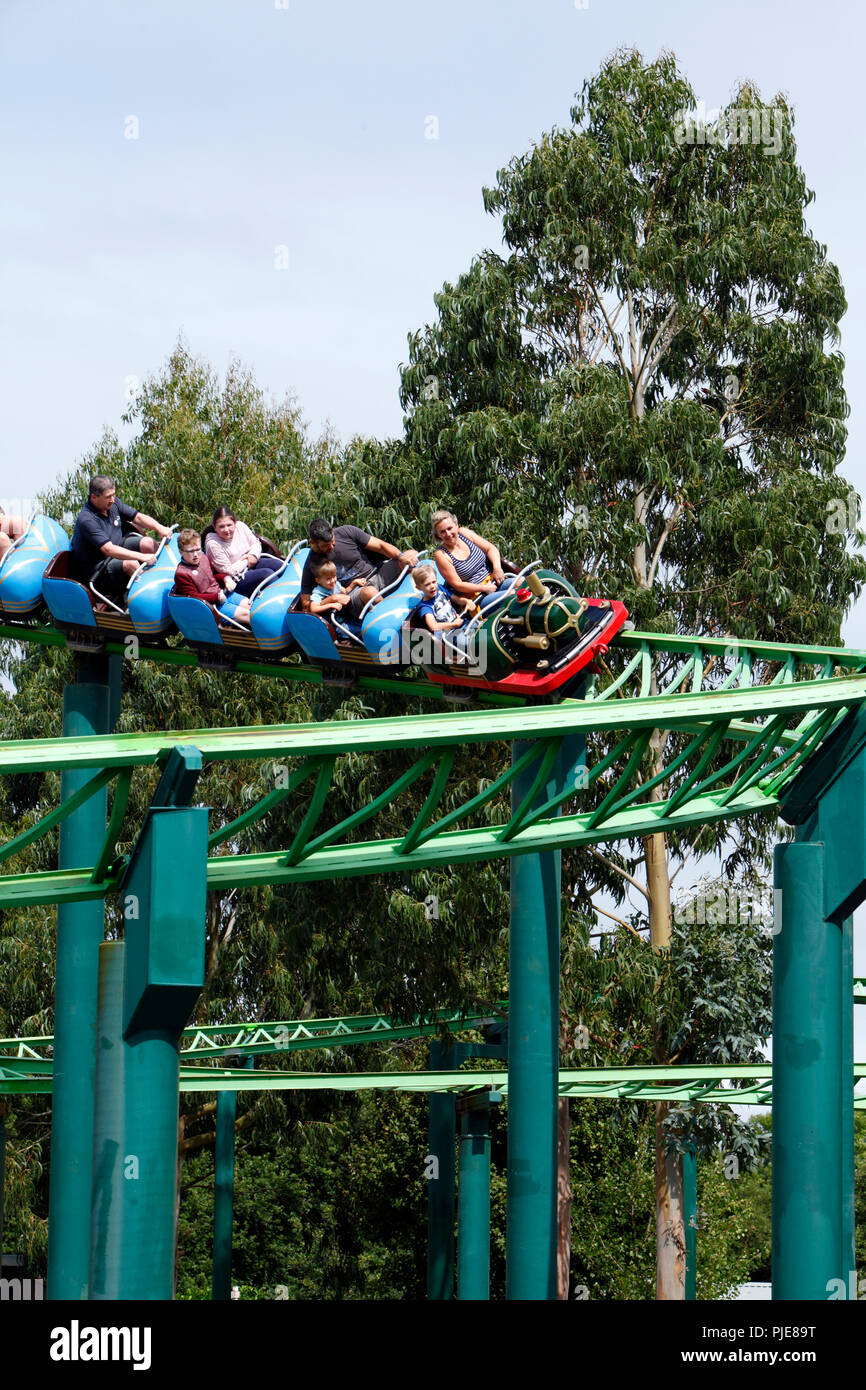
[
  {"x": 564, "y": 1197},
  {"x": 670, "y": 1218},
  {"x": 658, "y": 886},
  {"x": 638, "y": 563}
]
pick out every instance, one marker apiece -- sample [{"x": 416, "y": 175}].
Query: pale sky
[{"x": 261, "y": 124}]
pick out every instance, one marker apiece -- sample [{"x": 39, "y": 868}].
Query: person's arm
[
  {"x": 224, "y": 566},
  {"x": 406, "y": 557},
  {"x": 119, "y": 552},
  {"x": 441, "y": 627},
  {"x": 327, "y": 605},
  {"x": 252, "y": 543},
  {"x": 308, "y": 583},
  {"x": 494, "y": 559},
  {"x": 142, "y": 522},
  {"x": 214, "y": 594},
  {"x": 452, "y": 579},
  {"x": 461, "y": 603},
  {"x": 186, "y": 587}
]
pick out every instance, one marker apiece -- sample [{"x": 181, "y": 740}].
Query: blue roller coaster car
[
  {"x": 211, "y": 631},
  {"x": 79, "y": 608},
  {"x": 22, "y": 566}
]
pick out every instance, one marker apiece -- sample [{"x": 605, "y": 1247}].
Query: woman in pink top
[{"x": 236, "y": 555}]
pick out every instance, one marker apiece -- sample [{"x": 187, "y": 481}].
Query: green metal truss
[
  {"x": 742, "y": 719},
  {"x": 745, "y": 1083},
  {"x": 289, "y": 1035}
]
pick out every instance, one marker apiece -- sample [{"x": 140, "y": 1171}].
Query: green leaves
[{"x": 659, "y": 324}]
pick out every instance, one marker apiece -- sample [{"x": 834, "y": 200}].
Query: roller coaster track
[
  {"x": 214, "y": 1040},
  {"x": 26, "y": 1064},
  {"x": 737, "y": 720},
  {"x": 744, "y": 1083}
]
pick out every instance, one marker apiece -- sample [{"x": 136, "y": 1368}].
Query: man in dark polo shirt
[
  {"x": 105, "y": 547},
  {"x": 357, "y": 555}
]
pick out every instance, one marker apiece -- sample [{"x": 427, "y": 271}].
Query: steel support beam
[
  {"x": 473, "y": 1199},
  {"x": 807, "y": 1080},
  {"x": 827, "y": 803},
  {"x": 224, "y": 1187},
  {"x": 690, "y": 1212},
  {"x": 106, "y": 1243},
  {"x": 223, "y": 1194},
  {"x": 150, "y": 984},
  {"x": 89, "y": 707},
  {"x": 533, "y": 1043},
  {"x": 440, "y": 1182},
  {"x": 849, "y": 1260}
]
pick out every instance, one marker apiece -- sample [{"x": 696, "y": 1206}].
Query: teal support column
[
  {"x": 849, "y": 1259},
  {"x": 440, "y": 1169},
  {"x": 164, "y": 977},
  {"x": 473, "y": 1198},
  {"x": 150, "y": 1166},
  {"x": 823, "y": 881},
  {"x": 223, "y": 1194},
  {"x": 690, "y": 1212},
  {"x": 533, "y": 1034},
  {"x": 224, "y": 1185},
  {"x": 89, "y": 707},
  {"x": 106, "y": 1239},
  {"x": 807, "y": 1080},
  {"x": 134, "y": 1149},
  {"x": 150, "y": 986},
  {"x": 2, "y": 1172}
]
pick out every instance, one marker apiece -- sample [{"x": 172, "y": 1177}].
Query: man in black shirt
[
  {"x": 105, "y": 548},
  {"x": 357, "y": 555}
]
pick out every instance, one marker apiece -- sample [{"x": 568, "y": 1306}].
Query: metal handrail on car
[
  {"x": 347, "y": 633},
  {"x": 464, "y": 656},
  {"x": 441, "y": 637},
  {"x": 383, "y": 593},
  {"x": 500, "y": 599},
  {"x": 103, "y": 598},
  {"x": 227, "y": 619},
  {"x": 473, "y": 623},
  {"x": 276, "y": 574}
]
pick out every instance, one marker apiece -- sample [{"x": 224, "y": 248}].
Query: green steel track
[
  {"x": 748, "y": 1083},
  {"x": 289, "y": 1035},
  {"x": 731, "y": 722},
  {"x": 26, "y": 1064},
  {"x": 290, "y": 670}
]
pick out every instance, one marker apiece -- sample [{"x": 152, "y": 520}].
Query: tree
[
  {"x": 271, "y": 953},
  {"x": 645, "y": 390}
]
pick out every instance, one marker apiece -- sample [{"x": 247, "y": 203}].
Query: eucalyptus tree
[{"x": 644, "y": 386}]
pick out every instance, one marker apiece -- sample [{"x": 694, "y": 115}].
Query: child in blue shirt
[
  {"x": 436, "y": 610},
  {"x": 328, "y": 596}
]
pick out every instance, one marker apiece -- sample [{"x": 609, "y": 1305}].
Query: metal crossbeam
[
  {"x": 745, "y": 1083},
  {"x": 280, "y": 741}
]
